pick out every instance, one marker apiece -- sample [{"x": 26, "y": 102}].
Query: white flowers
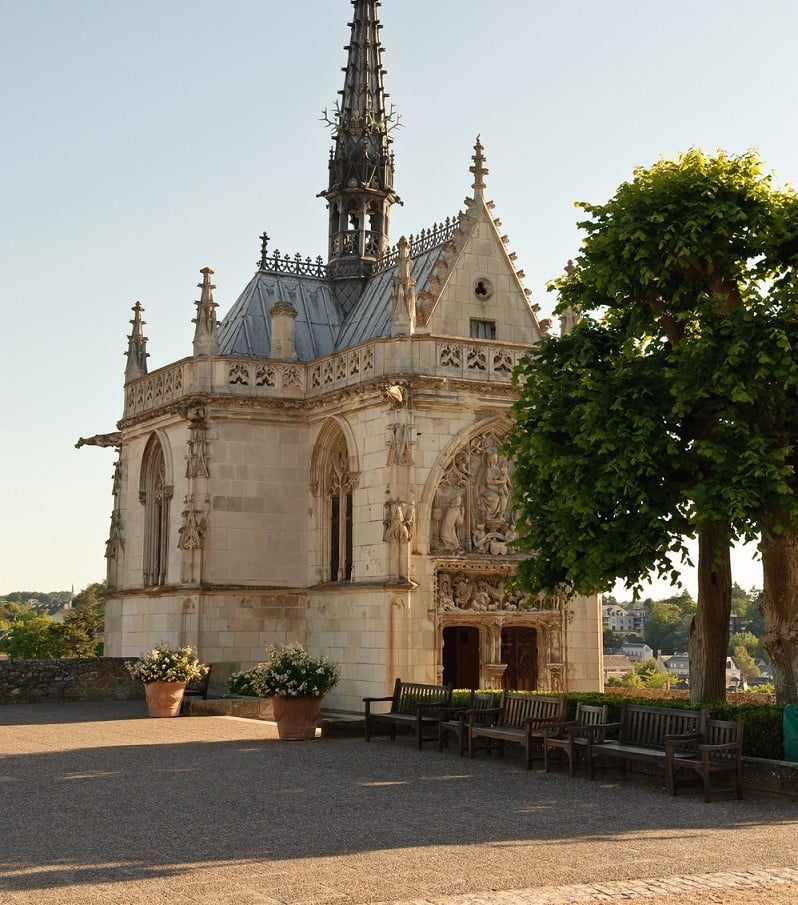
[
  {"x": 291, "y": 673},
  {"x": 165, "y": 663}
]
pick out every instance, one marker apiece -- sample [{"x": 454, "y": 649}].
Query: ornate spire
[
  {"x": 360, "y": 190},
  {"x": 206, "y": 342},
  {"x": 136, "y": 346},
  {"x": 479, "y": 170}
]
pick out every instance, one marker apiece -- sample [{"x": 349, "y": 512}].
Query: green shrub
[
  {"x": 763, "y": 734},
  {"x": 242, "y": 683}
]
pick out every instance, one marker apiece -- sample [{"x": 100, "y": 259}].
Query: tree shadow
[{"x": 112, "y": 813}]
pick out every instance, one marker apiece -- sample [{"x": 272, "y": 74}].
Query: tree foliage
[
  {"x": 669, "y": 411},
  {"x": 35, "y": 636}
]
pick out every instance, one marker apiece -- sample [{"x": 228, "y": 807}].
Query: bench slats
[
  {"x": 644, "y": 732},
  {"x": 521, "y": 719},
  {"x": 412, "y": 704}
]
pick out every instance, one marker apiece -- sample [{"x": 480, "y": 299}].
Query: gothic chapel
[{"x": 326, "y": 465}]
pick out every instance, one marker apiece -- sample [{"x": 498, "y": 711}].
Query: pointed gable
[{"x": 475, "y": 285}]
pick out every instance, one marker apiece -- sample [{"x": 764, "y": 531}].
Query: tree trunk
[
  {"x": 709, "y": 631},
  {"x": 779, "y": 610}
]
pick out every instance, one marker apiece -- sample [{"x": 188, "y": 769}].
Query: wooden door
[
  {"x": 520, "y": 653},
  {"x": 461, "y": 656}
]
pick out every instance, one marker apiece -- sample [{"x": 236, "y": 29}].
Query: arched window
[
  {"x": 339, "y": 492},
  {"x": 333, "y": 483},
  {"x": 155, "y": 494}
]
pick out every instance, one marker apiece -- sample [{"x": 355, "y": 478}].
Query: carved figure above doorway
[{"x": 471, "y": 513}]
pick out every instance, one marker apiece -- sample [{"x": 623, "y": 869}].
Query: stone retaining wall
[{"x": 50, "y": 681}]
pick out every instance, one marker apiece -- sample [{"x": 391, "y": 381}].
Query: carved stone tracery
[
  {"x": 471, "y": 513},
  {"x": 192, "y": 531},
  {"x": 483, "y": 591}
]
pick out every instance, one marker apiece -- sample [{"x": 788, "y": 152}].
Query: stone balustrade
[{"x": 425, "y": 355}]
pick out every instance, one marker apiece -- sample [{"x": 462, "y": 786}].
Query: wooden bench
[
  {"x": 570, "y": 739},
  {"x": 521, "y": 719},
  {"x": 412, "y": 705},
  {"x": 455, "y": 721},
  {"x": 642, "y": 734},
  {"x": 718, "y": 752}
]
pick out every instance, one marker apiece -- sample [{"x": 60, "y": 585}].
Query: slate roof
[
  {"x": 246, "y": 330},
  {"x": 319, "y": 328},
  {"x": 371, "y": 315}
]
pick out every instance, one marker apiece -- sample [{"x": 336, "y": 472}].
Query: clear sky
[{"x": 143, "y": 141}]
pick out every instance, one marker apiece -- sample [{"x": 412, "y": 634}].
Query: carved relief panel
[
  {"x": 471, "y": 513},
  {"x": 471, "y": 589}
]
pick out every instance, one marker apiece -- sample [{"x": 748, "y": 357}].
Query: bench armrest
[
  {"x": 488, "y": 711},
  {"x": 543, "y": 720},
  {"x": 371, "y": 700},
  {"x": 726, "y": 746},
  {"x": 685, "y": 737},
  {"x": 567, "y": 727}
]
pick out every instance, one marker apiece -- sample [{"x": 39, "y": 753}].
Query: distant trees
[
  {"x": 644, "y": 674},
  {"x": 28, "y": 634}
]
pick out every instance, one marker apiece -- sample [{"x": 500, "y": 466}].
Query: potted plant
[
  {"x": 165, "y": 672},
  {"x": 297, "y": 683}
]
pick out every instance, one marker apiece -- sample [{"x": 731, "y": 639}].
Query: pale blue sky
[{"x": 143, "y": 141}]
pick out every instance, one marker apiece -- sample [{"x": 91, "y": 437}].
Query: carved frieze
[
  {"x": 471, "y": 513},
  {"x": 479, "y": 590}
]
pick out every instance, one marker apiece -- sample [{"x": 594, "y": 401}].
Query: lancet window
[
  {"x": 333, "y": 483},
  {"x": 339, "y": 493},
  {"x": 155, "y": 495}
]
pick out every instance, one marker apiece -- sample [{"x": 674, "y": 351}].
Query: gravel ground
[{"x": 100, "y": 804}]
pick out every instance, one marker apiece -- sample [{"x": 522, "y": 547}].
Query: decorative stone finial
[
  {"x": 264, "y": 250},
  {"x": 403, "y": 298},
  {"x": 136, "y": 346},
  {"x": 206, "y": 342},
  {"x": 479, "y": 170}
]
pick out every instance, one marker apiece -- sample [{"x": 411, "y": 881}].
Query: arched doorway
[
  {"x": 461, "y": 656},
  {"x": 520, "y": 653}
]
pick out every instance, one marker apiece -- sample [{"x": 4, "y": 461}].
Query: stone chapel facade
[{"x": 326, "y": 465}]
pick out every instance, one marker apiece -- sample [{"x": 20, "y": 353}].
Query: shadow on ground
[{"x": 77, "y": 811}]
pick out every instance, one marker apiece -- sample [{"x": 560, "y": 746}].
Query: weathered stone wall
[{"x": 98, "y": 679}]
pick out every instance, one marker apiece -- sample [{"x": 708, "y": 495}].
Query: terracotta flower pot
[
  {"x": 164, "y": 698},
  {"x": 296, "y": 717}
]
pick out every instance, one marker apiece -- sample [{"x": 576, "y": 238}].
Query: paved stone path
[{"x": 99, "y": 804}]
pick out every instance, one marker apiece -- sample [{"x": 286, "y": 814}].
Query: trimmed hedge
[{"x": 763, "y": 735}]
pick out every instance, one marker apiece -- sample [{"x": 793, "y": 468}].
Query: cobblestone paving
[{"x": 753, "y": 887}]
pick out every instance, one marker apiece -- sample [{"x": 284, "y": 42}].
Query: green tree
[
  {"x": 31, "y": 639},
  {"x": 76, "y": 634},
  {"x": 745, "y": 662},
  {"x": 34, "y": 636},
  {"x": 644, "y": 674},
  {"x": 651, "y": 421}
]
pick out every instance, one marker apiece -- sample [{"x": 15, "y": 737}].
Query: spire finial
[
  {"x": 264, "y": 250},
  {"x": 360, "y": 189},
  {"x": 479, "y": 169},
  {"x": 136, "y": 346},
  {"x": 206, "y": 342}
]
